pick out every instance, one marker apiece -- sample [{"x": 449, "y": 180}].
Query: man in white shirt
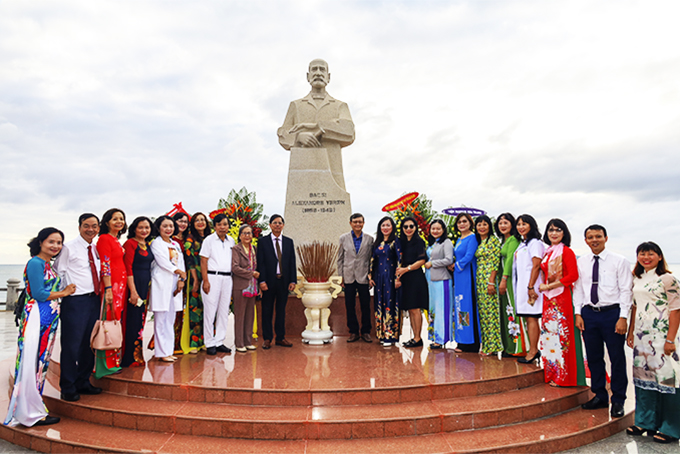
[
  {"x": 603, "y": 296},
  {"x": 217, "y": 284},
  {"x": 78, "y": 263}
]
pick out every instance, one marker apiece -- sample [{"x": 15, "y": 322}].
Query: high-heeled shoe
[{"x": 524, "y": 360}]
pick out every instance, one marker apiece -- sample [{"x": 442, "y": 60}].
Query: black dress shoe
[
  {"x": 212, "y": 351},
  {"x": 223, "y": 349},
  {"x": 283, "y": 343},
  {"x": 366, "y": 338},
  {"x": 48, "y": 420},
  {"x": 353, "y": 337},
  {"x": 408, "y": 344},
  {"x": 617, "y": 410},
  {"x": 89, "y": 389},
  {"x": 266, "y": 345},
  {"x": 594, "y": 403},
  {"x": 526, "y": 360},
  {"x": 70, "y": 397}
]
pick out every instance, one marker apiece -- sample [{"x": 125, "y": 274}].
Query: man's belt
[
  {"x": 220, "y": 273},
  {"x": 602, "y": 308}
]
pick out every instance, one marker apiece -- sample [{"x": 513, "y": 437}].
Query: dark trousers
[
  {"x": 276, "y": 296},
  {"x": 351, "y": 291},
  {"x": 600, "y": 331},
  {"x": 78, "y": 316}
]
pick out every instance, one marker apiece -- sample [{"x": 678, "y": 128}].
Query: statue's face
[{"x": 318, "y": 75}]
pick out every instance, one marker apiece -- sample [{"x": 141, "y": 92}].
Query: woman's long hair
[
  {"x": 533, "y": 228},
  {"x": 650, "y": 246},
  {"x": 379, "y": 237}
]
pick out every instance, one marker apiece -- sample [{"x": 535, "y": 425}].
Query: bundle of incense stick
[{"x": 317, "y": 260}]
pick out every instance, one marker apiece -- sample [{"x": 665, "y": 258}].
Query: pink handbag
[{"x": 106, "y": 334}]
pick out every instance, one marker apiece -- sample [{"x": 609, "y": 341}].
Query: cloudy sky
[{"x": 565, "y": 109}]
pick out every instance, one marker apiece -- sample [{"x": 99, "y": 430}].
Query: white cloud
[{"x": 559, "y": 109}]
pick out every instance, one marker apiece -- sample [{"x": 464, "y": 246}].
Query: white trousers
[
  {"x": 216, "y": 310},
  {"x": 164, "y": 333}
]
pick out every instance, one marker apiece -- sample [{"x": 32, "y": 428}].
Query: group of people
[
  {"x": 504, "y": 288},
  {"x": 186, "y": 270}
]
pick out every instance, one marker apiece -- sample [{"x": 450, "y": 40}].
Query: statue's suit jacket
[{"x": 353, "y": 266}]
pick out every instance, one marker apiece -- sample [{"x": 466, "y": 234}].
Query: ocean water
[{"x": 6, "y": 272}]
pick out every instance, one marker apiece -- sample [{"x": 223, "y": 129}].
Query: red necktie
[{"x": 93, "y": 269}]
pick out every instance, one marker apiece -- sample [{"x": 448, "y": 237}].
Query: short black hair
[
  {"x": 274, "y": 217},
  {"x": 83, "y": 217},
  {"x": 132, "y": 231},
  {"x": 159, "y": 221},
  {"x": 220, "y": 217},
  {"x": 103, "y": 225},
  {"x": 356, "y": 215},
  {"x": 560, "y": 224},
  {"x": 595, "y": 227},
  {"x": 533, "y": 228},
  {"x": 445, "y": 234},
  {"x": 35, "y": 243}
]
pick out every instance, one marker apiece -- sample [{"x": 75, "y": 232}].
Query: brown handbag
[{"x": 106, "y": 334}]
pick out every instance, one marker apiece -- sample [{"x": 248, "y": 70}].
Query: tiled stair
[{"x": 510, "y": 411}]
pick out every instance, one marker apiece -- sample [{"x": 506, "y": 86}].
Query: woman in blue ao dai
[
  {"x": 382, "y": 276},
  {"x": 440, "y": 285},
  {"x": 37, "y": 330},
  {"x": 465, "y": 269}
]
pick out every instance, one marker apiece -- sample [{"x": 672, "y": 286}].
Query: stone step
[
  {"x": 318, "y": 422},
  {"x": 556, "y": 433}
]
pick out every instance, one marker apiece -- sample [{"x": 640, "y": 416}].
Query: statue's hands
[{"x": 308, "y": 139}]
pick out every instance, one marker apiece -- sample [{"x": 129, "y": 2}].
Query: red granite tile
[
  {"x": 190, "y": 445},
  {"x": 442, "y": 392},
  {"x": 295, "y": 431},
  {"x": 269, "y": 431},
  {"x": 237, "y": 429},
  {"x": 138, "y": 389},
  {"x": 532, "y": 412},
  {"x": 214, "y": 395},
  {"x": 385, "y": 396},
  {"x": 206, "y": 428},
  {"x": 312, "y": 431},
  {"x": 183, "y": 426},
  {"x": 485, "y": 419},
  {"x": 22, "y": 439},
  {"x": 356, "y": 398},
  {"x": 465, "y": 389},
  {"x": 104, "y": 418},
  {"x": 160, "y": 392},
  {"x": 416, "y": 394},
  {"x": 335, "y": 430},
  {"x": 196, "y": 394},
  {"x": 146, "y": 422},
  {"x": 456, "y": 422},
  {"x": 331, "y": 398},
  {"x": 403, "y": 445},
  {"x": 164, "y": 424},
  {"x": 266, "y": 398},
  {"x": 83, "y": 449},
  {"x": 41, "y": 445},
  {"x": 296, "y": 399},
  {"x": 60, "y": 448},
  {"x": 238, "y": 397},
  {"x": 180, "y": 393},
  {"x": 124, "y": 420},
  {"x": 509, "y": 416},
  {"x": 400, "y": 428},
  {"x": 368, "y": 430},
  {"x": 428, "y": 425}
]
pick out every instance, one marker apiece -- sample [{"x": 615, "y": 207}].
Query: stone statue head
[{"x": 318, "y": 75}]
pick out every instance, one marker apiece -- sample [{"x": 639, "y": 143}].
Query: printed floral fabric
[
  {"x": 655, "y": 297},
  {"x": 560, "y": 354},
  {"x": 488, "y": 258},
  {"x": 192, "y": 247},
  {"x": 49, "y": 320},
  {"x": 386, "y": 257}
]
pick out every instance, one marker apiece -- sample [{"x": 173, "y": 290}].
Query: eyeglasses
[
  {"x": 409, "y": 227},
  {"x": 554, "y": 230}
]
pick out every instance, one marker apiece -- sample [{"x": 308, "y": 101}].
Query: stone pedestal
[{"x": 316, "y": 207}]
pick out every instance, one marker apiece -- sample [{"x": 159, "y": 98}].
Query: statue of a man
[{"x": 319, "y": 121}]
